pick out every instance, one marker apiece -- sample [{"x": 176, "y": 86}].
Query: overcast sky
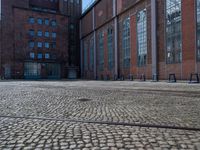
[{"x": 86, "y": 3}]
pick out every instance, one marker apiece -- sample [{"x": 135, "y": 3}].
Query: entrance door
[{"x": 32, "y": 70}]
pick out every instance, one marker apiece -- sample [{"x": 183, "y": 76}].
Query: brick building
[
  {"x": 122, "y": 38},
  {"x": 39, "y": 38}
]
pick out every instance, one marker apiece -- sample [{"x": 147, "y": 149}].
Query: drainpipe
[
  {"x": 95, "y": 50},
  {"x": 81, "y": 48},
  {"x": 116, "y": 35},
  {"x": 154, "y": 40}
]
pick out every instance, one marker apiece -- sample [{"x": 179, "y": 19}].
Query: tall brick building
[
  {"x": 39, "y": 38},
  {"x": 122, "y": 38}
]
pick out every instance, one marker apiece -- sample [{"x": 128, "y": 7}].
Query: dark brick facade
[
  {"x": 105, "y": 18},
  {"x": 15, "y": 37}
]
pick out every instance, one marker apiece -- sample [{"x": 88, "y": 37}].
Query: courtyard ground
[{"x": 100, "y": 115}]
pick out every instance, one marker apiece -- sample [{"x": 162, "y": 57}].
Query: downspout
[
  {"x": 94, "y": 38},
  {"x": 116, "y": 35},
  {"x": 81, "y": 48}
]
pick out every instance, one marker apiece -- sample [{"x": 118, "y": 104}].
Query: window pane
[
  {"x": 54, "y": 45},
  {"x": 126, "y": 42},
  {"x": 53, "y": 23},
  {"x": 46, "y": 44},
  {"x": 141, "y": 37},
  {"x": 39, "y": 55},
  {"x": 91, "y": 53},
  {"x": 85, "y": 57},
  {"x": 31, "y": 20},
  {"x": 47, "y": 56},
  {"x": 31, "y": 32},
  {"x": 46, "y": 21},
  {"x": 39, "y": 33},
  {"x": 110, "y": 49},
  {"x": 39, "y": 21},
  {"x": 32, "y": 55},
  {"x": 39, "y": 44},
  {"x": 173, "y": 31},
  {"x": 53, "y": 34},
  {"x": 101, "y": 51},
  {"x": 31, "y": 44},
  {"x": 46, "y": 34}
]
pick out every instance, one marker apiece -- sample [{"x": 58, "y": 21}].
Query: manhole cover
[{"x": 84, "y": 99}]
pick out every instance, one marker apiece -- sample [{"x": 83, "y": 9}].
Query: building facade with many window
[
  {"x": 39, "y": 38},
  {"x": 155, "y": 38}
]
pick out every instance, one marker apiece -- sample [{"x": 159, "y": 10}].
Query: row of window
[
  {"x": 47, "y": 45},
  {"x": 41, "y": 34},
  {"x": 173, "y": 38},
  {"x": 41, "y": 21},
  {"x": 39, "y": 55}
]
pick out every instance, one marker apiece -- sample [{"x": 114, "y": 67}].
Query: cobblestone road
[{"x": 114, "y": 102}]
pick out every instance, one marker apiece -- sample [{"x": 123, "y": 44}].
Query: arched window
[
  {"x": 141, "y": 37},
  {"x": 126, "y": 42}
]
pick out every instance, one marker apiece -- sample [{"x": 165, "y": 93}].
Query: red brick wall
[
  {"x": 103, "y": 12},
  {"x": 182, "y": 70},
  {"x": 86, "y": 24},
  {"x": 189, "y": 31},
  {"x": 21, "y": 28}
]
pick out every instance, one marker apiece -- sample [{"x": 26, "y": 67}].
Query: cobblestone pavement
[
  {"x": 40, "y": 134},
  {"x": 119, "y": 102}
]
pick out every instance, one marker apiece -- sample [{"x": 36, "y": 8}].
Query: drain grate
[{"x": 84, "y": 99}]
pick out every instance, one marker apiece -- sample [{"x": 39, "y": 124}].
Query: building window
[
  {"x": 46, "y": 34},
  {"x": 39, "y": 44},
  {"x": 46, "y": 22},
  {"x": 142, "y": 37},
  {"x": 198, "y": 29},
  {"x": 85, "y": 57},
  {"x": 46, "y": 44},
  {"x": 126, "y": 42},
  {"x": 101, "y": 51},
  {"x": 110, "y": 49},
  {"x": 32, "y": 55},
  {"x": 31, "y": 20},
  {"x": 39, "y": 56},
  {"x": 39, "y": 33},
  {"x": 53, "y": 23},
  {"x": 54, "y": 35},
  {"x": 91, "y": 53},
  {"x": 31, "y": 44},
  {"x": 39, "y": 21},
  {"x": 54, "y": 45},
  {"x": 31, "y": 32},
  {"x": 47, "y": 56},
  {"x": 173, "y": 31}
]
